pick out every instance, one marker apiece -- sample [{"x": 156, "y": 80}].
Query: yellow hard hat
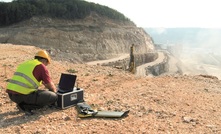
[{"x": 43, "y": 54}]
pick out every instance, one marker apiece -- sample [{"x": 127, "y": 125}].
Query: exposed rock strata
[{"x": 94, "y": 38}]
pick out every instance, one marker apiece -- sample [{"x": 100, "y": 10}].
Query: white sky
[{"x": 168, "y": 13}]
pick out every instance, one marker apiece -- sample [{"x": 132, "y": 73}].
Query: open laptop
[{"x": 66, "y": 83}]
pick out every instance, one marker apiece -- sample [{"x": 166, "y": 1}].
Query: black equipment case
[{"x": 68, "y": 99}]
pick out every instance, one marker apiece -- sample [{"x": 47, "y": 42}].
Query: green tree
[{"x": 19, "y": 10}]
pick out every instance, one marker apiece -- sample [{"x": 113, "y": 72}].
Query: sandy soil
[{"x": 163, "y": 104}]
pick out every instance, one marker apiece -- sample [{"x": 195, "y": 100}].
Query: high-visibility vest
[{"x": 23, "y": 80}]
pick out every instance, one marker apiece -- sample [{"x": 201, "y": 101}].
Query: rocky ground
[{"x": 163, "y": 104}]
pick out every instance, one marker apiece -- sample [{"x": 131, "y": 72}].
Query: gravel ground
[{"x": 164, "y": 104}]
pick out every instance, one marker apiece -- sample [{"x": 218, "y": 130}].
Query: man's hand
[{"x": 51, "y": 87}]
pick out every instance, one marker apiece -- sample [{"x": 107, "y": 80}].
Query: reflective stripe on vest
[
  {"x": 23, "y": 80},
  {"x": 23, "y": 84}
]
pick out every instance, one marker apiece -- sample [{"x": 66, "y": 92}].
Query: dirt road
[
  {"x": 123, "y": 56},
  {"x": 140, "y": 70}
]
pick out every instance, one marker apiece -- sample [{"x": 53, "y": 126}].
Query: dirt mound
[{"x": 163, "y": 104}]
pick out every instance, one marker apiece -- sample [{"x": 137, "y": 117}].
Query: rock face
[{"x": 79, "y": 41}]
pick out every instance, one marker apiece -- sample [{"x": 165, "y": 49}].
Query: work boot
[
  {"x": 52, "y": 106},
  {"x": 20, "y": 107},
  {"x": 25, "y": 110}
]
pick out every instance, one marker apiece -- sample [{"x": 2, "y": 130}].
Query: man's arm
[
  {"x": 41, "y": 74},
  {"x": 51, "y": 87}
]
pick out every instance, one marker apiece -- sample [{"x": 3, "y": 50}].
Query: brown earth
[{"x": 163, "y": 104}]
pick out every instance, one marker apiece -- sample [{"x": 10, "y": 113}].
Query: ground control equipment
[
  {"x": 69, "y": 95},
  {"x": 84, "y": 110},
  {"x": 66, "y": 100}
]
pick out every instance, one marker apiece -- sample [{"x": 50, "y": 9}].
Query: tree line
[{"x": 19, "y": 10}]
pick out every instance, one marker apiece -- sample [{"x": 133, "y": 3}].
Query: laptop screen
[{"x": 67, "y": 82}]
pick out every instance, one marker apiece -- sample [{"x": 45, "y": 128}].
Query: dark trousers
[{"x": 36, "y": 99}]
